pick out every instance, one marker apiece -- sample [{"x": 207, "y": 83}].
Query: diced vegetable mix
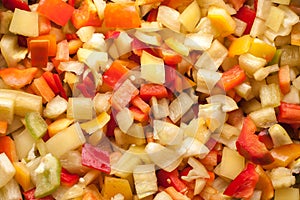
[{"x": 149, "y": 99}]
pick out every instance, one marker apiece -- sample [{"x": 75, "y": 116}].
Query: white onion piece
[
  {"x": 169, "y": 17},
  {"x": 148, "y": 38},
  {"x": 193, "y": 147},
  {"x": 163, "y": 157},
  {"x": 55, "y": 107},
  {"x": 167, "y": 133},
  {"x": 228, "y": 104},
  {"x": 124, "y": 119}
]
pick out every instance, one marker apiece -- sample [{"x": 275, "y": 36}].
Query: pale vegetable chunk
[
  {"x": 7, "y": 170},
  {"x": 145, "y": 180},
  {"x": 21, "y": 22},
  {"x": 190, "y": 16},
  {"x": 279, "y": 135},
  {"x": 66, "y": 140},
  {"x": 113, "y": 186},
  {"x": 152, "y": 68},
  {"x": 281, "y": 177},
  {"x": 287, "y": 193},
  {"x": 232, "y": 163}
]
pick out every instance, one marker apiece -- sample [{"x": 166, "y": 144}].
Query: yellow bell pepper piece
[
  {"x": 240, "y": 46},
  {"x": 262, "y": 49},
  {"x": 95, "y": 124},
  {"x": 59, "y": 125},
  {"x": 22, "y": 175},
  {"x": 222, "y": 20}
]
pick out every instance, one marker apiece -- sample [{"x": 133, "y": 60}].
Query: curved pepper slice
[
  {"x": 47, "y": 176},
  {"x": 283, "y": 155},
  {"x": 18, "y": 78},
  {"x": 249, "y": 146},
  {"x": 243, "y": 185}
]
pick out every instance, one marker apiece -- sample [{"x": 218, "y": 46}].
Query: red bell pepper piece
[
  {"x": 71, "y": 3},
  {"x": 170, "y": 57},
  {"x": 18, "y": 78},
  {"x": 249, "y": 146},
  {"x": 48, "y": 76},
  {"x": 289, "y": 113},
  {"x": 114, "y": 73},
  {"x": 138, "y": 115},
  {"x": 247, "y": 15},
  {"x": 12, "y": 4},
  {"x": 57, "y": 11},
  {"x": 167, "y": 179},
  {"x": 96, "y": 158},
  {"x": 86, "y": 15},
  {"x": 244, "y": 184},
  {"x": 59, "y": 85},
  {"x": 232, "y": 78},
  {"x": 151, "y": 89},
  {"x": 29, "y": 195},
  {"x": 111, "y": 125},
  {"x": 87, "y": 87},
  {"x": 265, "y": 138},
  {"x": 68, "y": 179}
]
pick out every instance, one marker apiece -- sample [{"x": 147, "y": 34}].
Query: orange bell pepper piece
[
  {"x": 284, "y": 79},
  {"x": 39, "y": 53},
  {"x": 18, "y": 78},
  {"x": 52, "y": 43},
  {"x": 264, "y": 184},
  {"x": 41, "y": 88},
  {"x": 7, "y": 146},
  {"x": 121, "y": 15},
  {"x": 86, "y": 15},
  {"x": 283, "y": 155},
  {"x": 141, "y": 104}
]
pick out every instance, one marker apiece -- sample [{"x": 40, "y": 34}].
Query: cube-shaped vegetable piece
[
  {"x": 11, "y": 190},
  {"x": 270, "y": 95},
  {"x": 121, "y": 15},
  {"x": 275, "y": 18},
  {"x": 222, "y": 20},
  {"x": 152, "y": 68},
  {"x": 190, "y": 16},
  {"x": 25, "y": 23},
  {"x": 232, "y": 163},
  {"x": 7, "y": 170},
  {"x": 66, "y": 140},
  {"x": 145, "y": 180},
  {"x": 262, "y": 49},
  {"x": 24, "y": 142},
  {"x": 113, "y": 186},
  {"x": 264, "y": 117},
  {"x": 80, "y": 108},
  {"x": 22, "y": 175}
]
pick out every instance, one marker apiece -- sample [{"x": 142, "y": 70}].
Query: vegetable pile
[{"x": 149, "y": 99}]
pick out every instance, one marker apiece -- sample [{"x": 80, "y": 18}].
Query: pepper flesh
[
  {"x": 289, "y": 113},
  {"x": 249, "y": 146},
  {"x": 243, "y": 185}
]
